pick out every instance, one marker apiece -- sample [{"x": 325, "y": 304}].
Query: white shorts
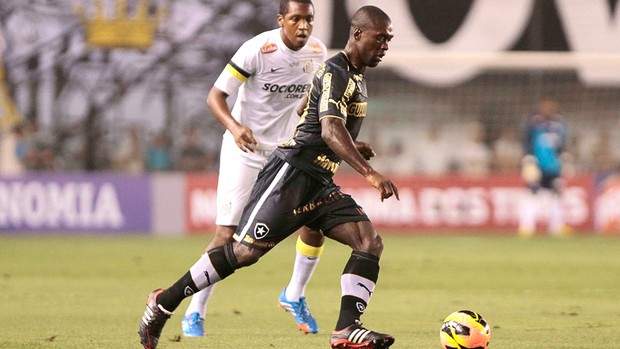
[{"x": 238, "y": 172}]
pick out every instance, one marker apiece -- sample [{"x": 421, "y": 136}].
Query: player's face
[
  {"x": 373, "y": 43},
  {"x": 548, "y": 107},
  {"x": 296, "y": 24}
]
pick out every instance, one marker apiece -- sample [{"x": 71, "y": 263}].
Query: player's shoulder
[{"x": 338, "y": 64}]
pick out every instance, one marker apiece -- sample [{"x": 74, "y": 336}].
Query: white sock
[
  {"x": 556, "y": 215},
  {"x": 527, "y": 217},
  {"x": 198, "y": 304},
  {"x": 203, "y": 273},
  {"x": 306, "y": 259}
]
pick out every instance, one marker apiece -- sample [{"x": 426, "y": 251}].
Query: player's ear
[
  {"x": 357, "y": 33},
  {"x": 280, "y": 20}
]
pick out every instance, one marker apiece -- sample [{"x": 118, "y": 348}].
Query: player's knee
[
  {"x": 375, "y": 245},
  {"x": 370, "y": 243},
  {"x": 246, "y": 255},
  {"x": 222, "y": 236},
  {"x": 311, "y": 237}
]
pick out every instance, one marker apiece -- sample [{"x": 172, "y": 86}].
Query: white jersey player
[{"x": 271, "y": 74}]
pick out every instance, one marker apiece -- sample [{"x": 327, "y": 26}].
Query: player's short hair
[
  {"x": 368, "y": 16},
  {"x": 284, "y": 5}
]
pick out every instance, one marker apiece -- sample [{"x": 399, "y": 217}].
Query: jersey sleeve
[
  {"x": 336, "y": 89},
  {"x": 526, "y": 139},
  {"x": 563, "y": 137},
  {"x": 241, "y": 66}
]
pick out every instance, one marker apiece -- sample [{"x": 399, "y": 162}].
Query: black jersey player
[{"x": 296, "y": 188}]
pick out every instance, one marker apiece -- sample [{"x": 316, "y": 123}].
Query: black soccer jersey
[{"x": 339, "y": 91}]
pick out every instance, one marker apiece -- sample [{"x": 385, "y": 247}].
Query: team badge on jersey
[
  {"x": 308, "y": 66},
  {"x": 268, "y": 48},
  {"x": 261, "y": 230}
]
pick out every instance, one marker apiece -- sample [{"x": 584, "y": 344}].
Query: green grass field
[{"x": 89, "y": 292}]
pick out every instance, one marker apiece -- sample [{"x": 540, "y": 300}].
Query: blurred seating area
[{"x": 431, "y": 148}]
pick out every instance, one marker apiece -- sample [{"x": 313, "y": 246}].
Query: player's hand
[
  {"x": 530, "y": 172},
  {"x": 365, "y": 149},
  {"x": 383, "y": 184},
  {"x": 244, "y": 139}
]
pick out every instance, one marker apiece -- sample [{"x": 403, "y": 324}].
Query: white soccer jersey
[{"x": 271, "y": 79}]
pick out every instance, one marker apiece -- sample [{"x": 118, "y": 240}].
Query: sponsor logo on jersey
[
  {"x": 335, "y": 196},
  {"x": 284, "y": 88},
  {"x": 326, "y": 89},
  {"x": 269, "y": 48},
  {"x": 259, "y": 244},
  {"x": 357, "y": 109},
  {"x": 292, "y": 90},
  {"x": 315, "y": 48},
  {"x": 261, "y": 230},
  {"x": 325, "y": 163}
]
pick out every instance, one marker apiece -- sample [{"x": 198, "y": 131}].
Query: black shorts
[
  {"x": 285, "y": 198},
  {"x": 549, "y": 182}
]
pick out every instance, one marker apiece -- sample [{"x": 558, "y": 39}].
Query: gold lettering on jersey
[
  {"x": 349, "y": 90},
  {"x": 290, "y": 143},
  {"x": 357, "y": 109},
  {"x": 335, "y": 196},
  {"x": 325, "y": 163},
  {"x": 321, "y": 71},
  {"x": 343, "y": 108},
  {"x": 327, "y": 87}
]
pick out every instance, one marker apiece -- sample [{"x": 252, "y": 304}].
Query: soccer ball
[{"x": 465, "y": 329}]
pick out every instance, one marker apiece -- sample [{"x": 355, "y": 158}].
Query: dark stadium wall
[{"x": 440, "y": 20}]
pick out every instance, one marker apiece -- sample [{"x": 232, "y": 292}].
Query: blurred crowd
[
  {"x": 471, "y": 149},
  {"x": 25, "y": 148}
]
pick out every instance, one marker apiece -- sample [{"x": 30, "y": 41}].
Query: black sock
[
  {"x": 174, "y": 295},
  {"x": 358, "y": 283},
  {"x": 224, "y": 262}
]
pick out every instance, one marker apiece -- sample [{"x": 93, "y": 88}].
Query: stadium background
[{"x": 118, "y": 139}]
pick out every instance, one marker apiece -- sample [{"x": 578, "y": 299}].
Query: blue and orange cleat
[
  {"x": 303, "y": 317},
  {"x": 193, "y": 325}
]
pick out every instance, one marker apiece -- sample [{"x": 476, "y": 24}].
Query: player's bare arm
[
  {"x": 302, "y": 105},
  {"x": 216, "y": 101},
  {"x": 365, "y": 149},
  {"x": 337, "y": 137}
]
